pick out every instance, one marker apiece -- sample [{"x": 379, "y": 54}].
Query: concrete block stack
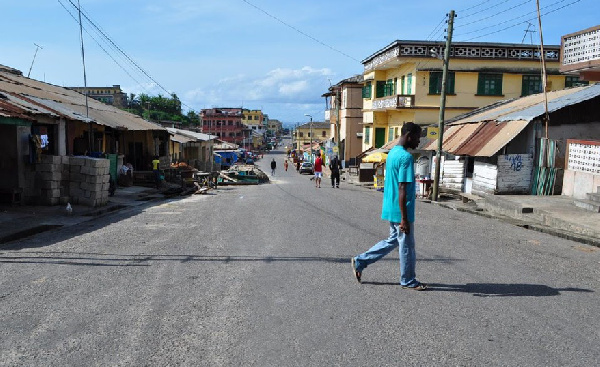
[
  {"x": 89, "y": 181},
  {"x": 49, "y": 177}
]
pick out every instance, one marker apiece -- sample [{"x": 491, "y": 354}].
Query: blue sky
[{"x": 278, "y": 56}]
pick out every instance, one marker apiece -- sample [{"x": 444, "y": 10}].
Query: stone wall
[{"x": 77, "y": 180}]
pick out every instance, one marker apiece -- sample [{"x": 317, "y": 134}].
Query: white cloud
[{"x": 280, "y": 85}]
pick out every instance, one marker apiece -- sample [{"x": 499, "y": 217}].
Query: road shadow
[
  {"x": 495, "y": 289},
  {"x": 505, "y": 290},
  {"x": 24, "y": 256}
]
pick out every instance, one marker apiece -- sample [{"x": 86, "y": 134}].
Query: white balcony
[{"x": 394, "y": 102}]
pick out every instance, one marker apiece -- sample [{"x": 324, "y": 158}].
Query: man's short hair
[{"x": 410, "y": 128}]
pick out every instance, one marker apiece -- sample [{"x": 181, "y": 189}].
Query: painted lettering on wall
[{"x": 516, "y": 161}]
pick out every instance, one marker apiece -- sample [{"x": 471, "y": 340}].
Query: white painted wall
[
  {"x": 484, "y": 178},
  {"x": 514, "y": 173},
  {"x": 453, "y": 174}
]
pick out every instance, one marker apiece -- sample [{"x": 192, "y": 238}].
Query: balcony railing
[{"x": 392, "y": 102}]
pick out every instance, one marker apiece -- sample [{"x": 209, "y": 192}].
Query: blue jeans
[{"x": 408, "y": 258}]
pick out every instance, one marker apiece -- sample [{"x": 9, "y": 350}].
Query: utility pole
[
  {"x": 438, "y": 161},
  {"x": 544, "y": 74},
  {"x": 87, "y": 109}
]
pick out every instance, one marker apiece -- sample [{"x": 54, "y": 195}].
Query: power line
[
  {"x": 494, "y": 15},
  {"x": 516, "y": 24},
  {"x": 511, "y": 19},
  {"x": 120, "y": 52},
  {"x": 474, "y": 6},
  {"x": 299, "y": 31},
  {"x": 488, "y": 8},
  {"x": 102, "y": 48}
]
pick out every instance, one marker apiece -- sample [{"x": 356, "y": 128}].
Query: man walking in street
[
  {"x": 335, "y": 165},
  {"x": 318, "y": 170},
  {"x": 399, "y": 209},
  {"x": 273, "y": 166}
]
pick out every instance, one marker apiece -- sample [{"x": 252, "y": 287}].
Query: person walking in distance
[
  {"x": 273, "y": 166},
  {"x": 335, "y": 165},
  {"x": 285, "y": 165},
  {"x": 318, "y": 170},
  {"x": 398, "y": 209}
]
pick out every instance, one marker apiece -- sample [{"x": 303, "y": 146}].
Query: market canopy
[{"x": 375, "y": 157}]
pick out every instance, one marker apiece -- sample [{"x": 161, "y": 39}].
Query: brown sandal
[
  {"x": 418, "y": 287},
  {"x": 356, "y": 273}
]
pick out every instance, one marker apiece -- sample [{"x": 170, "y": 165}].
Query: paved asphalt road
[{"x": 260, "y": 276}]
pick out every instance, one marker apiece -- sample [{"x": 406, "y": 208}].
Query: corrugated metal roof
[
  {"x": 50, "y": 100},
  {"x": 556, "y": 101},
  {"x": 191, "y": 134},
  {"x": 181, "y": 138},
  {"x": 13, "y": 106},
  {"x": 490, "y": 138},
  {"x": 530, "y": 107},
  {"x": 479, "y": 139},
  {"x": 484, "y": 133}
]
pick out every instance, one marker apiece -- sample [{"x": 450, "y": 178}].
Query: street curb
[{"x": 526, "y": 225}]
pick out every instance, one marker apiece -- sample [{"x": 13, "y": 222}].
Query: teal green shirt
[{"x": 399, "y": 167}]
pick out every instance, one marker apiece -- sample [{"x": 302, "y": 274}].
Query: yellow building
[
  {"x": 252, "y": 117},
  {"x": 402, "y": 82},
  {"x": 319, "y": 130}
]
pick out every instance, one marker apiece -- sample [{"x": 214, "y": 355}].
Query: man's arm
[{"x": 404, "y": 225}]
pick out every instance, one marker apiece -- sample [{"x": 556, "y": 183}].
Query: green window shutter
[
  {"x": 481, "y": 84},
  {"x": 367, "y": 137},
  {"x": 389, "y": 88},
  {"x": 409, "y": 84},
  {"x": 450, "y": 83},
  {"x": 402, "y": 84},
  {"x": 366, "y": 92},
  {"x": 435, "y": 82},
  {"x": 380, "y": 89}
]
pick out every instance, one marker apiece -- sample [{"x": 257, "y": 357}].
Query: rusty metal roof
[
  {"x": 29, "y": 97},
  {"x": 191, "y": 135},
  {"x": 485, "y": 132}
]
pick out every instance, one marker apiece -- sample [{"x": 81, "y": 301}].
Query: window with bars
[
  {"x": 435, "y": 82},
  {"x": 489, "y": 84},
  {"x": 573, "y": 81},
  {"x": 531, "y": 84},
  {"x": 390, "y": 134},
  {"x": 367, "y": 138},
  {"x": 366, "y": 91},
  {"x": 409, "y": 84}
]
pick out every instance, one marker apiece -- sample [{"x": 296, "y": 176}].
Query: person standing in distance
[
  {"x": 398, "y": 209},
  {"x": 335, "y": 165},
  {"x": 318, "y": 170},
  {"x": 273, "y": 166}
]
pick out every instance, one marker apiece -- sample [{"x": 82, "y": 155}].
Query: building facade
[
  {"x": 110, "y": 95},
  {"x": 346, "y": 96},
  {"x": 226, "y": 124},
  {"x": 402, "y": 82},
  {"x": 317, "y": 132}
]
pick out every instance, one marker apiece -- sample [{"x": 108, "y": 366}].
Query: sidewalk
[
  {"x": 556, "y": 215},
  {"x": 17, "y": 222}
]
